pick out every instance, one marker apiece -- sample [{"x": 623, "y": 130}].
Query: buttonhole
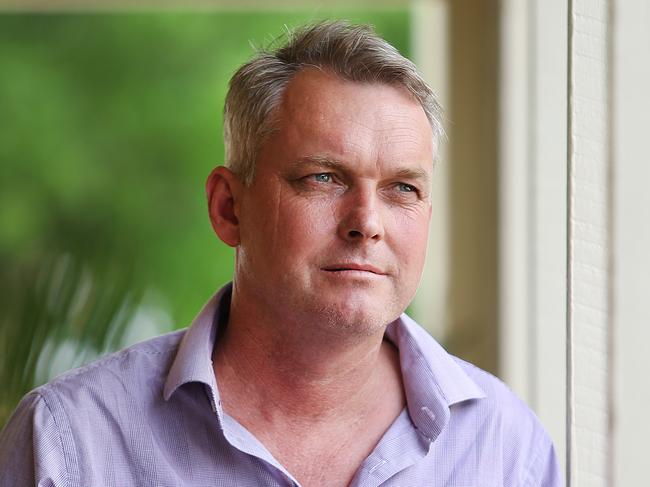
[
  {"x": 429, "y": 413},
  {"x": 383, "y": 462}
]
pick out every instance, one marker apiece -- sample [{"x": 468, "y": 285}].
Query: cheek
[
  {"x": 410, "y": 236},
  {"x": 306, "y": 222}
]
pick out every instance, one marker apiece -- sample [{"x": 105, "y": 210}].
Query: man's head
[
  {"x": 330, "y": 222},
  {"x": 351, "y": 52}
]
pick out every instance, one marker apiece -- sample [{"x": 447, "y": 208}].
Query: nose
[{"x": 361, "y": 218}]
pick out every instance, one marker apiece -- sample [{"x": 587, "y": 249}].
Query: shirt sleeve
[{"x": 31, "y": 447}]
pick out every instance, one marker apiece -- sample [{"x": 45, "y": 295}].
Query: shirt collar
[
  {"x": 193, "y": 361},
  {"x": 433, "y": 380}
]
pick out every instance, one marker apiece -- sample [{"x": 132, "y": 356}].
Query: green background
[{"x": 109, "y": 126}]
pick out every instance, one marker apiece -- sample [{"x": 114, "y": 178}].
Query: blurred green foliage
[{"x": 109, "y": 125}]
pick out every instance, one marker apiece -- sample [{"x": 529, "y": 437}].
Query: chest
[{"x": 325, "y": 461}]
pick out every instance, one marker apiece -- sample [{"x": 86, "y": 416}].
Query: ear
[{"x": 223, "y": 189}]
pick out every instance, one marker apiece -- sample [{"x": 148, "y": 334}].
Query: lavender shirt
[{"x": 150, "y": 415}]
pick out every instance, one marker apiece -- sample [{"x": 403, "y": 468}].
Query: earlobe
[{"x": 223, "y": 191}]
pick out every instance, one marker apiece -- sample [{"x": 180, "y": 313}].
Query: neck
[{"x": 287, "y": 371}]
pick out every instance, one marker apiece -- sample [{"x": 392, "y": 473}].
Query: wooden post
[{"x": 589, "y": 243}]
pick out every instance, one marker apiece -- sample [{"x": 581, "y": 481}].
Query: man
[{"x": 304, "y": 371}]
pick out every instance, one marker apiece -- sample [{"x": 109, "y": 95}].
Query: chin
[{"x": 357, "y": 319}]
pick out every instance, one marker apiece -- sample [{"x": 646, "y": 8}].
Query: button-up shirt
[{"x": 150, "y": 415}]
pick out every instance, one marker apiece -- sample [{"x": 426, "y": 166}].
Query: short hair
[{"x": 351, "y": 52}]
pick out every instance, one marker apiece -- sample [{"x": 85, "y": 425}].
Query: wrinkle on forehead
[
  {"x": 395, "y": 140},
  {"x": 372, "y": 126}
]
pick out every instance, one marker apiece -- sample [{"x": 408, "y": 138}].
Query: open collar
[{"x": 433, "y": 380}]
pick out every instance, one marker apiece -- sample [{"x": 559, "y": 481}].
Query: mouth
[{"x": 354, "y": 268}]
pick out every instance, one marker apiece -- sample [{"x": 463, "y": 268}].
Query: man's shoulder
[
  {"x": 75, "y": 426},
  {"x": 136, "y": 371}
]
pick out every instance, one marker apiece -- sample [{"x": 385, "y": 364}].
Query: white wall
[{"x": 631, "y": 241}]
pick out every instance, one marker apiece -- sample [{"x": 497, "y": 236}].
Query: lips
[{"x": 352, "y": 266}]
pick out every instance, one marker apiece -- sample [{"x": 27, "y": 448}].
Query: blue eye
[
  {"x": 406, "y": 188},
  {"x": 323, "y": 177}
]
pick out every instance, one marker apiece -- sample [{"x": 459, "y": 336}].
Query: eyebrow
[
  {"x": 335, "y": 164},
  {"x": 319, "y": 160},
  {"x": 413, "y": 174}
]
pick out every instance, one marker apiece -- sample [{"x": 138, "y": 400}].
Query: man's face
[{"x": 333, "y": 229}]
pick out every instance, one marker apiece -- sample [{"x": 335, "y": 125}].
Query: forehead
[{"x": 351, "y": 121}]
